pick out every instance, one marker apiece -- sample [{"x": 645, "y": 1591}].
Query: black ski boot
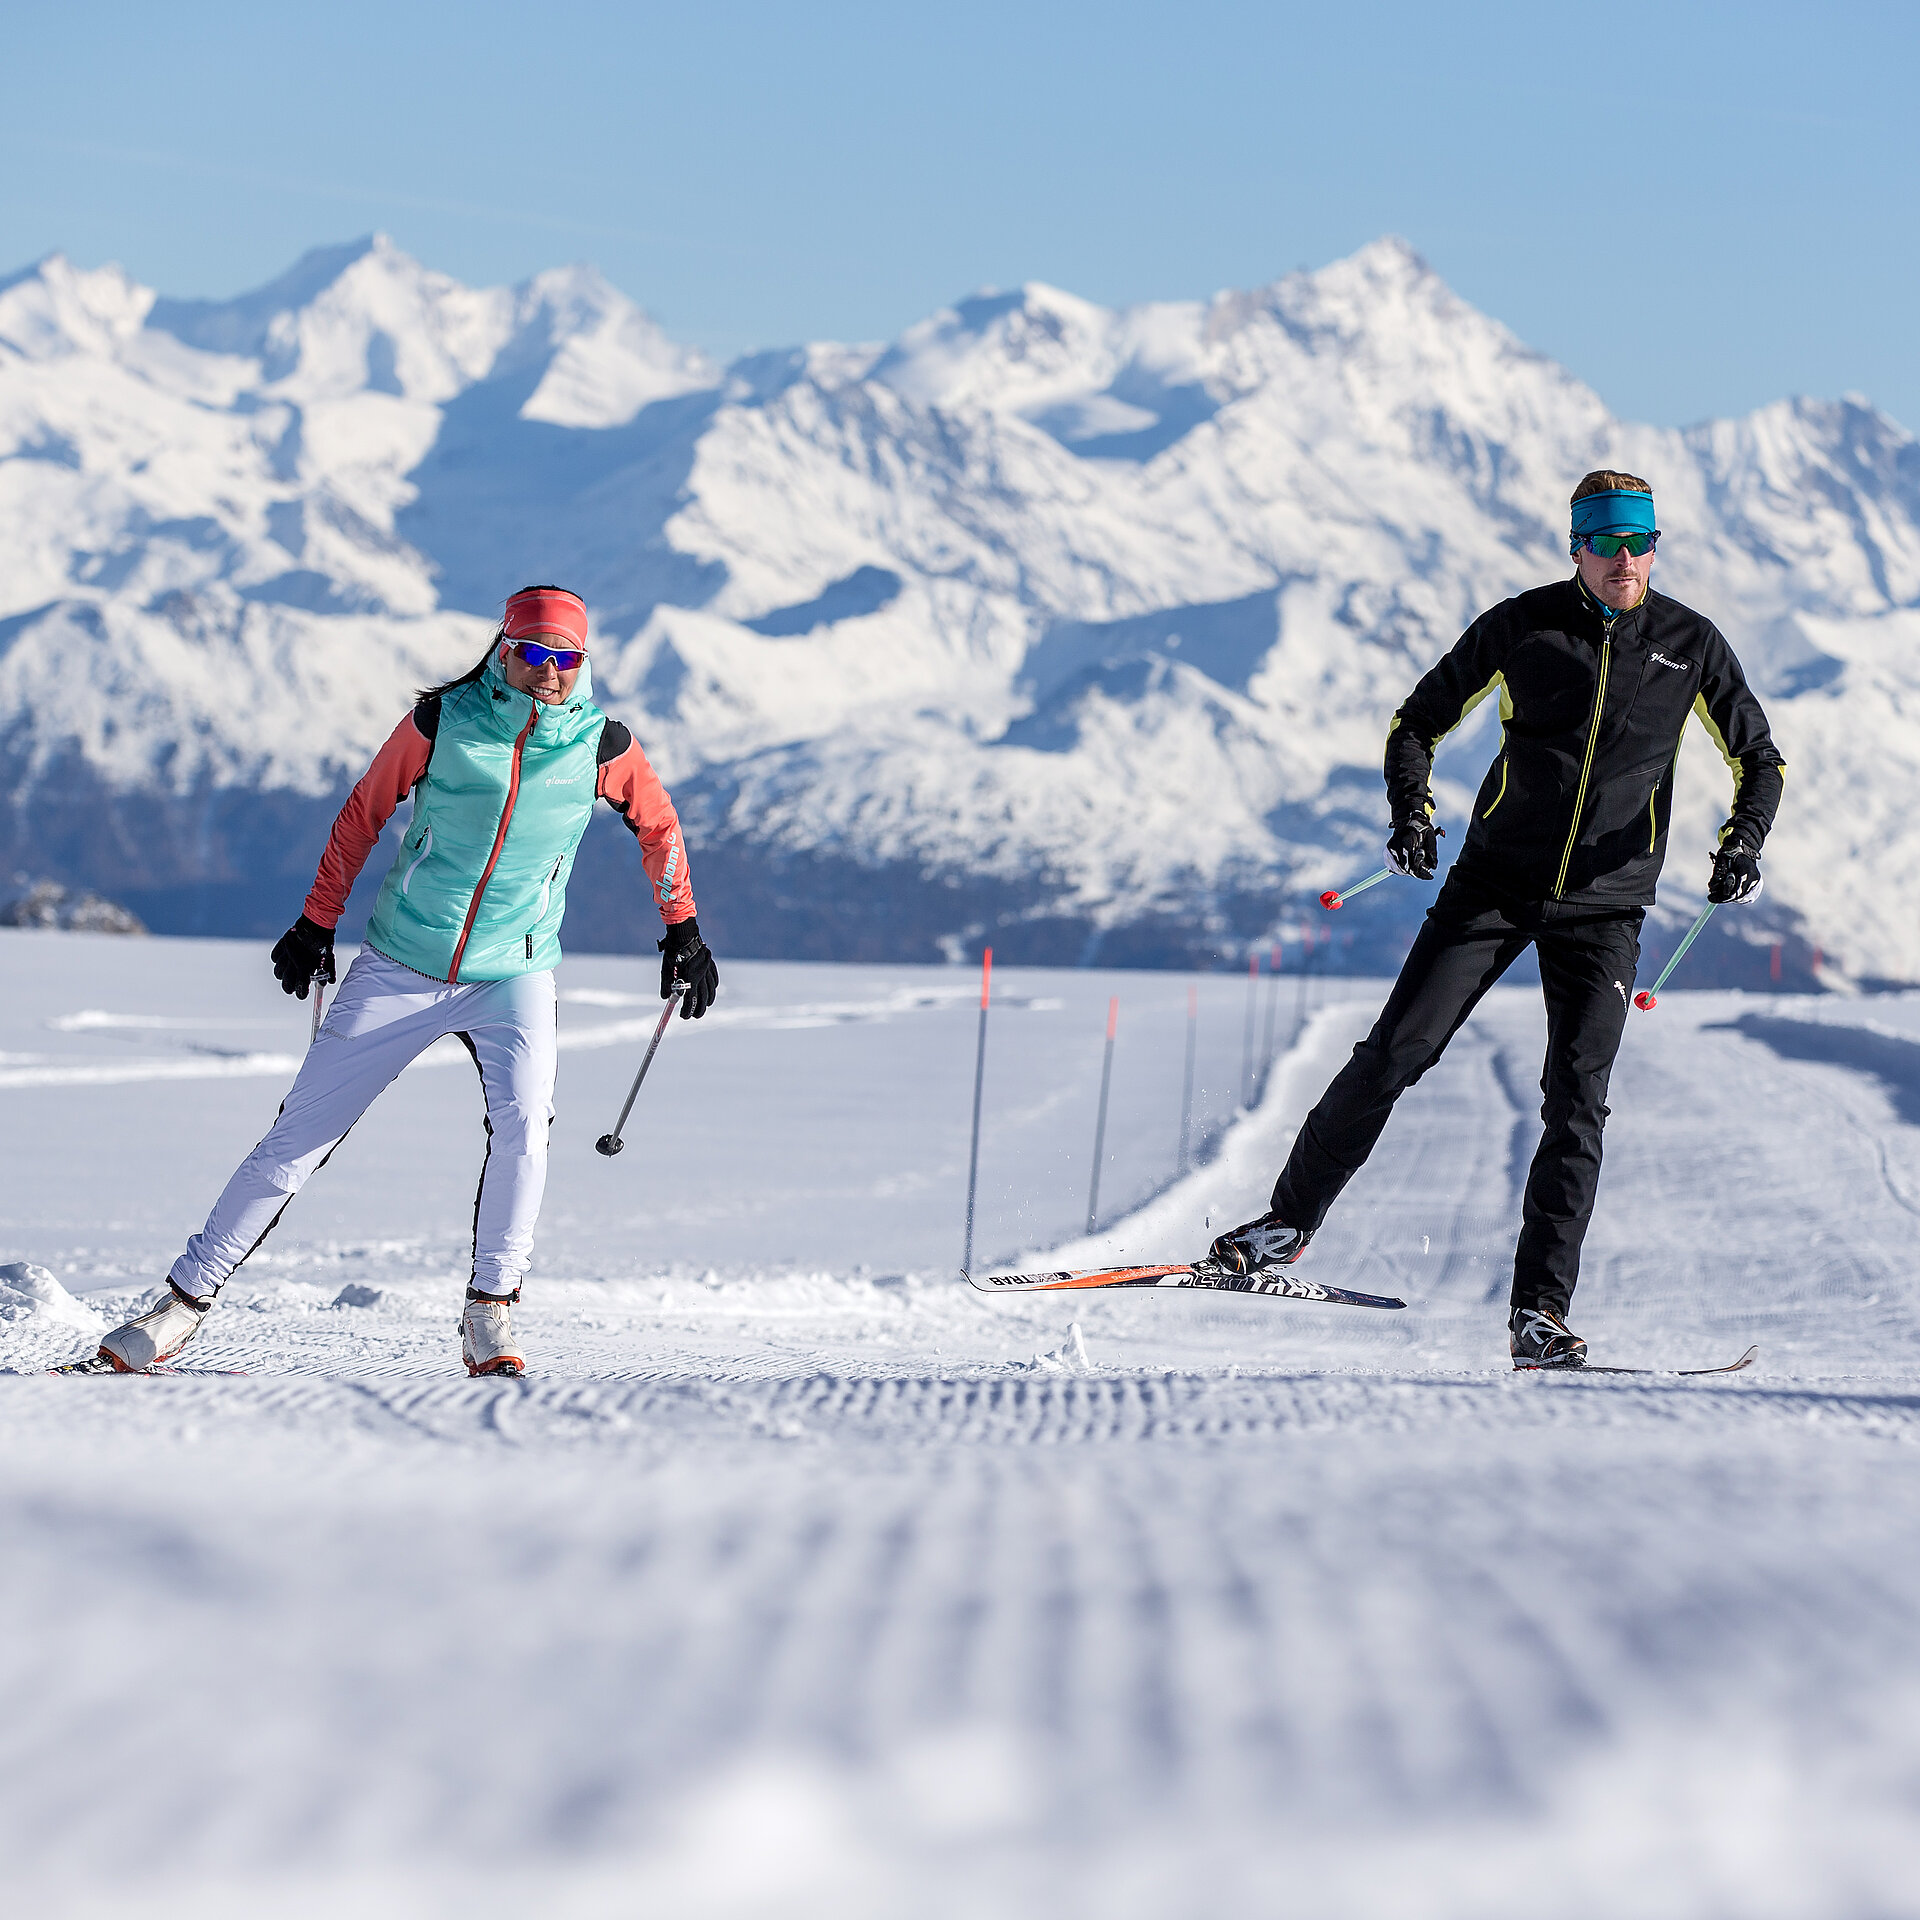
[
  {"x": 1542, "y": 1339},
  {"x": 1260, "y": 1244}
]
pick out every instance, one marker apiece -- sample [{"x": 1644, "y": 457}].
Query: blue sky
[{"x": 1698, "y": 208}]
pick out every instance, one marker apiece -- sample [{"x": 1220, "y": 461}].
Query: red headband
[{"x": 549, "y": 610}]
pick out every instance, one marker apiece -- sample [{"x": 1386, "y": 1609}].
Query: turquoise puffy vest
[{"x": 479, "y": 887}]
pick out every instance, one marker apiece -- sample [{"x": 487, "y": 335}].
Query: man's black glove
[
  {"x": 304, "y": 954},
  {"x": 684, "y": 956},
  {"x": 1736, "y": 874},
  {"x": 1413, "y": 847}
]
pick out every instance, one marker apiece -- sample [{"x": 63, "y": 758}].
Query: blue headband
[{"x": 1626, "y": 510}]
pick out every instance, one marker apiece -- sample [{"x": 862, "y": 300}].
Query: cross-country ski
[
  {"x": 99, "y": 1364},
  {"x": 1202, "y": 1277},
  {"x": 1678, "y": 1373}
]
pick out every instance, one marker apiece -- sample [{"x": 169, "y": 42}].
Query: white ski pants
[{"x": 384, "y": 1016}]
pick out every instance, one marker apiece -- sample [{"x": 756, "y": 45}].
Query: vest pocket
[{"x": 426, "y": 847}]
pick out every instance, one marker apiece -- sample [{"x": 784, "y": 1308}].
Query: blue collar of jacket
[{"x": 1608, "y": 615}]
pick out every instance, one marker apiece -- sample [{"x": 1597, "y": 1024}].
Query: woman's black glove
[
  {"x": 304, "y": 954},
  {"x": 684, "y": 957},
  {"x": 1413, "y": 848}
]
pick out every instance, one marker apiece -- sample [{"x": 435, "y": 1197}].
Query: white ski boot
[
  {"x": 487, "y": 1344},
  {"x": 157, "y": 1335}
]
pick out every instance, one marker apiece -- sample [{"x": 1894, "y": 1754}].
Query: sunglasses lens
[
  {"x": 1606, "y": 545},
  {"x": 535, "y": 655}
]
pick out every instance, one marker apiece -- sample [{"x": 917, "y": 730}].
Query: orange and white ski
[{"x": 1274, "y": 1284}]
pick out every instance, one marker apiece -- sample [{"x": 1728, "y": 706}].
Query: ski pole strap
[{"x": 1680, "y": 952}]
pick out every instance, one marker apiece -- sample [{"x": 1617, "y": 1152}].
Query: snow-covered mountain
[{"x": 1072, "y": 629}]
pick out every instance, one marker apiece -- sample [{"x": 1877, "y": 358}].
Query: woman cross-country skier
[
  {"x": 504, "y": 765},
  {"x": 1596, "y": 677}
]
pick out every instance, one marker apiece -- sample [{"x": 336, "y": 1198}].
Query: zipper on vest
[
  {"x": 426, "y": 847},
  {"x": 1586, "y": 768},
  {"x": 499, "y": 841}
]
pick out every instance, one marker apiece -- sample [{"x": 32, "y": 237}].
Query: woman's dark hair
[
  {"x": 472, "y": 674},
  {"x": 479, "y": 667}
]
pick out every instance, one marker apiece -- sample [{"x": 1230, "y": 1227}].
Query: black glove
[
  {"x": 304, "y": 954},
  {"x": 684, "y": 956},
  {"x": 1413, "y": 847},
  {"x": 1736, "y": 875}
]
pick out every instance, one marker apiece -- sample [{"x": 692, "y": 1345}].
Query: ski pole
[
  {"x": 319, "y": 991},
  {"x": 611, "y": 1143},
  {"x": 1337, "y": 897},
  {"x": 1648, "y": 1000}
]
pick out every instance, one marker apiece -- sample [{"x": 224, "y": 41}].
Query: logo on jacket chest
[{"x": 1659, "y": 659}]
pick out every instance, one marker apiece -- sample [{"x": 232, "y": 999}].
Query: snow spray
[
  {"x": 1337, "y": 897},
  {"x": 1648, "y": 1000}
]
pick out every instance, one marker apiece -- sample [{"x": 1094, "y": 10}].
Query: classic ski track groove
[
  {"x": 1257, "y": 1599},
  {"x": 1000, "y": 1410}
]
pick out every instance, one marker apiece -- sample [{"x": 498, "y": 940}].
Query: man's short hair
[{"x": 1605, "y": 480}]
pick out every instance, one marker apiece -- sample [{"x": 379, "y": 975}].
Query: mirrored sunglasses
[
  {"x": 535, "y": 655},
  {"x": 1606, "y": 545}
]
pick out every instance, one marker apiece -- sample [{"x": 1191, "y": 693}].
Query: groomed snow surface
[{"x": 798, "y": 1578}]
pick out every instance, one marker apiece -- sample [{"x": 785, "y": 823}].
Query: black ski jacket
[{"x": 1576, "y": 806}]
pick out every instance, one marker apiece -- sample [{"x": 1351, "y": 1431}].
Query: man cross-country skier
[
  {"x": 1596, "y": 677},
  {"x": 504, "y": 765}
]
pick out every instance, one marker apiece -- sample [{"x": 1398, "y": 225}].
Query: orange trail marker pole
[
  {"x": 1100, "y": 1124},
  {"x": 1246, "y": 1046},
  {"x": 1186, "y": 1090},
  {"x": 1273, "y": 995},
  {"x": 979, "y": 1079}
]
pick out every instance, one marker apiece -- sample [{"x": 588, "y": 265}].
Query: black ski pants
[{"x": 1470, "y": 938}]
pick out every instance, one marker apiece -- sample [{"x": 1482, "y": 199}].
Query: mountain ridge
[{"x": 1071, "y": 628}]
